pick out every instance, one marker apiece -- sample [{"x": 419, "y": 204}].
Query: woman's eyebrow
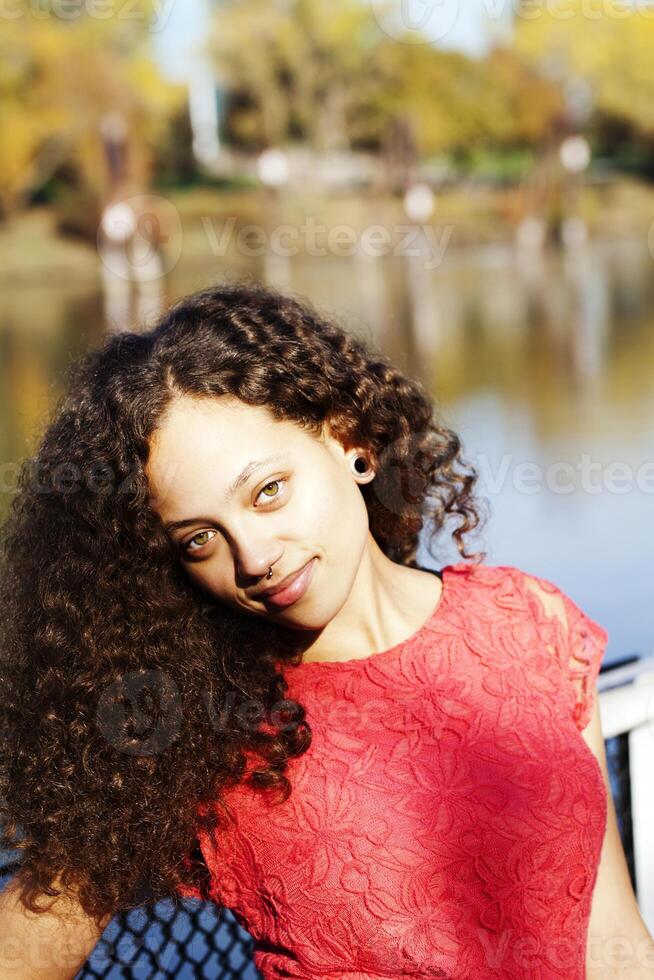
[{"x": 248, "y": 470}]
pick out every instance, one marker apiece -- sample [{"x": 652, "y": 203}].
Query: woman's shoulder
[
  {"x": 544, "y": 617},
  {"x": 546, "y": 604},
  {"x": 496, "y": 582},
  {"x": 545, "y": 600}
]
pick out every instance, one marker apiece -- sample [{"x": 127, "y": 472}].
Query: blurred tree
[
  {"x": 609, "y": 48},
  {"x": 530, "y": 105},
  {"x": 176, "y": 163},
  {"x": 299, "y": 69},
  {"x": 291, "y": 68},
  {"x": 59, "y": 79},
  {"x": 458, "y": 103}
]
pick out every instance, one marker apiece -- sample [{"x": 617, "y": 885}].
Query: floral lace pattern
[{"x": 447, "y": 819}]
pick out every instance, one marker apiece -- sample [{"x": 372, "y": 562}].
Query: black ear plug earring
[{"x": 360, "y": 465}]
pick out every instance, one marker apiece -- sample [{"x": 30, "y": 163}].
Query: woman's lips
[{"x": 294, "y": 591}]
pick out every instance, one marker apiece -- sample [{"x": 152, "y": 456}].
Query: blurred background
[{"x": 469, "y": 184}]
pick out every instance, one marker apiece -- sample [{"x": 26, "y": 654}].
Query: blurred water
[{"x": 540, "y": 362}]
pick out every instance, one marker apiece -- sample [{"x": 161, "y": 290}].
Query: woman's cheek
[
  {"x": 317, "y": 521},
  {"x": 210, "y": 571}
]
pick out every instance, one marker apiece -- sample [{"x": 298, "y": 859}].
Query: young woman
[{"x": 224, "y": 674}]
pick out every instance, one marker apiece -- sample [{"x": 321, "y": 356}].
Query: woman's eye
[
  {"x": 200, "y": 538},
  {"x": 267, "y": 496},
  {"x": 187, "y": 545}
]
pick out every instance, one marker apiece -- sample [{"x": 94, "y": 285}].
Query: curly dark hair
[{"x": 98, "y": 614}]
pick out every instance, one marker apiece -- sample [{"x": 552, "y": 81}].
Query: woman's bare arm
[
  {"x": 52, "y": 945},
  {"x": 619, "y": 944}
]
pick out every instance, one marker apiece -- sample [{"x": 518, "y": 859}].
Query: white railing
[{"x": 627, "y": 707}]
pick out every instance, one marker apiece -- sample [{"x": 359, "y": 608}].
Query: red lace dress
[{"x": 448, "y": 817}]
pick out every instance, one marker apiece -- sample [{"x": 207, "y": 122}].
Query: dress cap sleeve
[{"x": 577, "y": 642}]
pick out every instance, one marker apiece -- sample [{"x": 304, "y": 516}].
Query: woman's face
[{"x": 253, "y": 493}]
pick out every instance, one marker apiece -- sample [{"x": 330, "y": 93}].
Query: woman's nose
[
  {"x": 254, "y": 549},
  {"x": 253, "y": 563}
]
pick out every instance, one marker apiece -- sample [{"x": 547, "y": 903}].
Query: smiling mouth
[
  {"x": 291, "y": 590},
  {"x": 285, "y": 582}
]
